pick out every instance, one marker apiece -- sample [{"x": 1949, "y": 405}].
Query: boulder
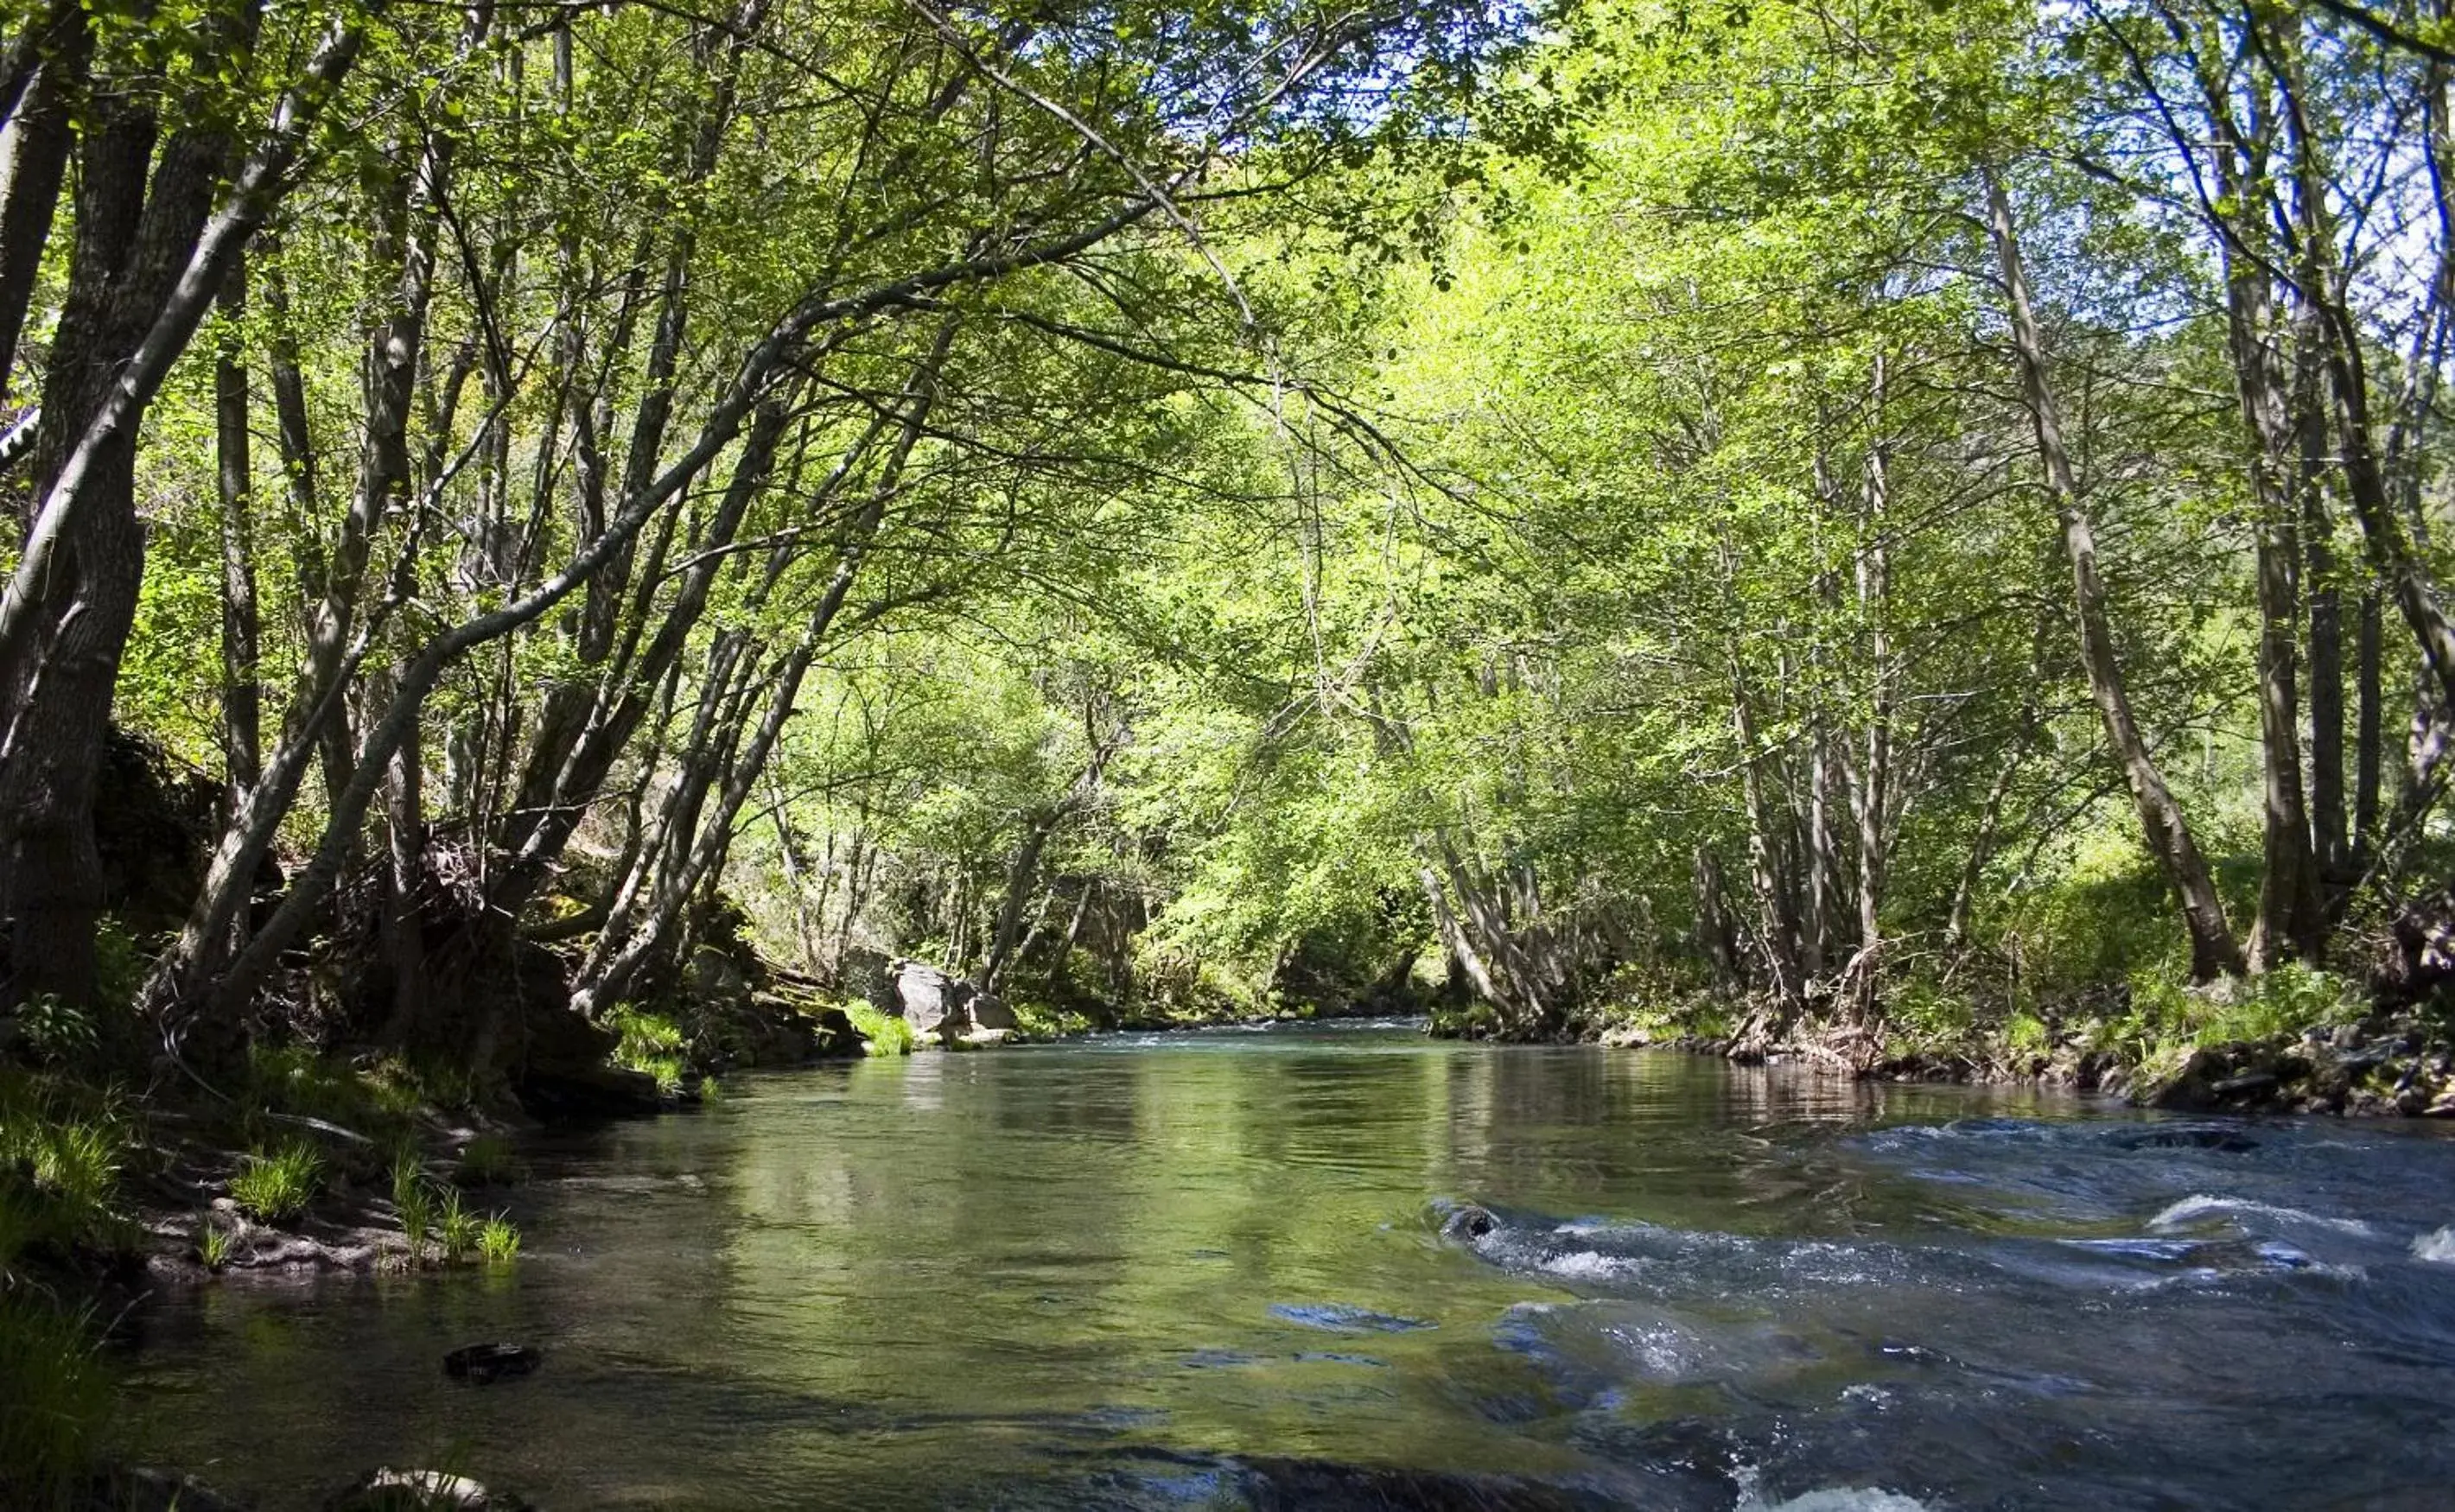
[
  {"x": 716, "y": 981},
  {"x": 835, "y": 1034},
  {"x": 933, "y": 1001},
  {"x": 868, "y": 974},
  {"x": 421, "y": 1491},
  {"x": 990, "y": 1011}
]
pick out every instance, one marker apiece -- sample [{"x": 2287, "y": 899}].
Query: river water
[{"x": 1352, "y": 1267}]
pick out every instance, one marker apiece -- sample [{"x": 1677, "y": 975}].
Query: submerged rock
[
  {"x": 421, "y": 1491},
  {"x": 2188, "y": 1137},
  {"x": 481, "y": 1364},
  {"x": 1468, "y": 1222},
  {"x": 1316, "y": 1483}
]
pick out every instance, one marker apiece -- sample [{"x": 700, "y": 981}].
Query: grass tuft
[
  {"x": 887, "y": 1035},
  {"x": 649, "y": 1042},
  {"x": 413, "y": 1203},
  {"x": 54, "y": 1396},
  {"x": 215, "y": 1246},
  {"x": 498, "y": 1242},
  {"x": 275, "y": 1187},
  {"x": 459, "y": 1227}
]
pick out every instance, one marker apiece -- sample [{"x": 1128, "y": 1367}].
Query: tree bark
[
  {"x": 242, "y": 689},
  {"x": 39, "y": 137},
  {"x": 2290, "y": 919},
  {"x": 2162, "y": 823}
]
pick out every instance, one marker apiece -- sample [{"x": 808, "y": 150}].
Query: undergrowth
[
  {"x": 886, "y": 1034},
  {"x": 649, "y": 1042},
  {"x": 275, "y": 1186}
]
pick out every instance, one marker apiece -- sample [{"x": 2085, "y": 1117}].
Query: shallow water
[{"x": 1238, "y": 1268}]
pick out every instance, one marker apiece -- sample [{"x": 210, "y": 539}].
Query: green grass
[
  {"x": 413, "y": 1203},
  {"x": 277, "y": 1186},
  {"x": 214, "y": 1244},
  {"x": 886, "y": 1034},
  {"x": 54, "y": 1396},
  {"x": 651, "y": 1043},
  {"x": 498, "y": 1242},
  {"x": 1036, "y": 1021},
  {"x": 62, "y": 1149},
  {"x": 486, "y": 1161},
  {"x": 459, "y": 1227}
]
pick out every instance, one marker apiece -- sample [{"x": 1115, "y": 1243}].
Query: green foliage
[
  {"x": 457, "y": 1228},
  {"x": 55, "y": 1031},
  {"x": 2167, "y": 1019},
  {"x": 54, "y": 1396},
  {"x": 498, "y": 1242},
  {"x": 649, "y": 1042},
  {"x": 1039, "y": 1022},
  {"x": 413, "y": 1203},
  {"x": 215, "y": 1246},
  {"x": 380, "y": 1100},
  {"x": 276, "y": 1187},
  {"x": 62, "y": 1149},
  {"x": 886, "y": 1034}
]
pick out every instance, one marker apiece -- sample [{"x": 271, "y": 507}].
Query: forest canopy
[{"x": 1857, "y": 522}]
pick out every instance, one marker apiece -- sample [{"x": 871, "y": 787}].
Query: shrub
[
  {"x": 55, "y": 1031},
  {"x": 279, "y": 1186}
]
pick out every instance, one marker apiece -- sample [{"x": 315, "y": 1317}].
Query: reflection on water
[{"x": 1212, "y": 1269}]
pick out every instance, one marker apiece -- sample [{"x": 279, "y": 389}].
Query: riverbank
[{"x": 2296, "y": 1041}]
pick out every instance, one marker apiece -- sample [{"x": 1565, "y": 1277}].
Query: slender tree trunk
[
  {"x": 2290, "y": 919},
  {"x": 1713, "y": 932},
  {"x": 2167, "y": 831},
  {"x": 38, "y": 139},
  {"x": 1871, "y": 795},
  {"x": 2368, "y": 727},
  {"x": 242, "y": 688}
]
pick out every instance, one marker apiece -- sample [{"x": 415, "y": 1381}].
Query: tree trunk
[
  {"x": 2290, "y": 919},
  {"x": 2368, "y": 726},
  {"x": 1715, "y": 940},
  {"x": 1871, "y": 795},
  {"x": 242, "y": 689},
  {"x": 39, "y": 136},
  {"x": 2162, "y": 821}
]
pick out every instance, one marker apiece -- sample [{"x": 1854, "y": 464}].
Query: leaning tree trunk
[
  {"x": 40, "y": 135},
  {"x": 72, "y": 619},
  {"x": 2168, "y": 833}
]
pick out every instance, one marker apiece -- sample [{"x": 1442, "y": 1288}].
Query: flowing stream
[{"x": 1349, "y": 1266}]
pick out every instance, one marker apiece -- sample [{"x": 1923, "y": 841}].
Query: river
[{"x": 1315, "y": 1266}]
